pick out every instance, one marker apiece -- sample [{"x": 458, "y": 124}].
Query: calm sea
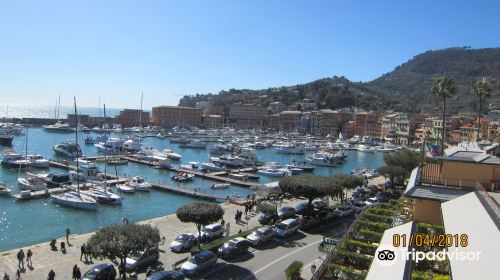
[
  {"x": 28, "y": 222},
  {"x": 28, "y": 111}
]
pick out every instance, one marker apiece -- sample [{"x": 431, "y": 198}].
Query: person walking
[
  {"x": 79, "y": 274},
  {"x": 83, "y": 252},
  {"x": 20, "y": 258},
  {"x": 73, "y": 274},
  {"x": 6, "y": 276},
  {"x": 18, "y": 274},
  {"x": 52, "y": 275},
  {"x": 89, "y": 252},
  {"x": 222, "y": 222},
  {"x": 29, "y": 255},
  {"x": 67, "y": 235}
]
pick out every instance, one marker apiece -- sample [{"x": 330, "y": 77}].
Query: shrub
[
  {"x": 376, "y": 218},
  {"x": 380, "y": 211},
  {"x": 293, "y": 271},
  {"x": 368, "y": 235},
  {"x": 346, "y": 272},
  {"x": 422, "y": 275},
  {"x": 422, "y": 228},
  {"x": 354, "y": 259},
  {"x": 362, "y": 247},
  {"x": 373, "y": 226}
]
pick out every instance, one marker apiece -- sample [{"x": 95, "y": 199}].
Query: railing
[
  {"x": 447, "y": 182},
  {"x": 491, "y": 202}
]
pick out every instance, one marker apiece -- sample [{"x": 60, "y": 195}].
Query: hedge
[
  {"x": 354, "y": 259},
  {"x": 422, "y": 275},
  {"x": 368, "y": 235},
  {"x": 346, "y": 272},
  {"x": 380, "y": 211},
  {"x": 362, "y": 247},
  {"x": 376, "y": 218},
  {"x": 373, "y": 226}
]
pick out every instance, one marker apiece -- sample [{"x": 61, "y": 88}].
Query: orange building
[
  {"x": 170, "y": 116},
  {"x": 132, "y": 117}
]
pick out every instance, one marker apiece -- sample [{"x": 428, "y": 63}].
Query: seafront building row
[{"x": 401, "y": 128}]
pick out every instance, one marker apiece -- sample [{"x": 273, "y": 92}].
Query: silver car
[
  {"x": 184, "y": 242},
  {"x": 261, "y": 235},
  {"x": 199, "y": 262},
  {"x": 344, "y": 211}
]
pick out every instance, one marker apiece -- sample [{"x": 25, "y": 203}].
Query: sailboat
[{"x": 75, "y": 199}]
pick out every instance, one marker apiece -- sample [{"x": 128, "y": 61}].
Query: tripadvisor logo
[{"x": 386, "y": 255}]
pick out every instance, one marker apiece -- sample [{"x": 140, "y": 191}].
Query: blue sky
[{"x": 117, "y": 49}]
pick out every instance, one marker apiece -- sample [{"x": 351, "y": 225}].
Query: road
[{"x": 270, "y": 261}]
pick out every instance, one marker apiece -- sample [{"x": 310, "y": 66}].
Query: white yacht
[
  {"x": 290, "y": 149},
  {"x": 273, "y": 172},
  {"x": 323, "y": 159},
  {"x": 194, "y": 144},
  {"x": 4, "y": 189},
  {"x": 103, "y": 196},
  {"x": 38, "y": 161},
  {"x": 365, "y": 149},
  {"x": 132, "y": 145},
  {"x": 171, "y": 154},
  {"x": 31, "y": 183},
  {"x": 111, "y": 146},
  {"x": 12, "y": 159},
  {"x": 58, "y": 127},
  {"x": 75, "y": 199},
  {"x": 87, "y": 172},
  {"x": 138, "y": 183},
  {"x": 211, "y": 167},
  {"x": 68, "y": 149}
]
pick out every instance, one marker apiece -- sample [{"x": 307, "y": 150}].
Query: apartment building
[
  {"x": 170, "y": 116},
  {"x": 132, "y": 117},
  {"x": 246, "y": 115},
  {"x": 363, "y": 124}
]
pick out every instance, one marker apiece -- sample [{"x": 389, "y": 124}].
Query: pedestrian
[
  {"x": 29, "y": 255},
  {"x": 79, "y": 274},
  {"x": 73, "y": 275},
  {"x": 246, "y": 209},
  {"x": 222, "y": 222},
  {"x": 163, "y": 240},
  {"x": 227, "y": 229},
  {"x": 67, "y": 235},
  {"x": 20, "y": 258},
  {"x": 6, "y": 276},
  {"x": 52, "y": 275},
  {"x": 83, "y": 253},
  {"x": 18, "y": 274},
  {"x": 121, "y": 270},
  {"x": 313, "y": 269},
  {"x": 236, "y": 216},
  {"x": 88, "y": 251}
]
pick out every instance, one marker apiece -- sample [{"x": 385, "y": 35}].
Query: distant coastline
[{"x": 47, "y": 111}]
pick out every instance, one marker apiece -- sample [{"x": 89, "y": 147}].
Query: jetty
[
  {"x": 39, "y": 194},
  {"x": 187, "y": 192}
]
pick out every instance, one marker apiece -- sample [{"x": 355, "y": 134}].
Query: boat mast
[
  {"x": 140, "y": 114},
  {"x": 59, "y": 108},
  {"x": 76, "y": 141},
  {"x": 105, "y": 153}
]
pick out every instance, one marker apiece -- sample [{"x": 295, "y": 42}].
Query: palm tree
[
  {"x": 481, "y": 90},
  {"x": 443, "y": 88}
]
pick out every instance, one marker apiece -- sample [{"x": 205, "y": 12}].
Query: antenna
[{"x": 77, "y": 149}]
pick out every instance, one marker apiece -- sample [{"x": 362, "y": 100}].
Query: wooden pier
[
  {"x": 39, "y": 194},
  {"x": 187, "y": 192}
]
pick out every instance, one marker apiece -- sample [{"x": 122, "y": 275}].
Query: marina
[{"x": 165, "y": 196}]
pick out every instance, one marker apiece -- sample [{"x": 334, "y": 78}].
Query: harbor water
[{"x": 28, "y": 222}]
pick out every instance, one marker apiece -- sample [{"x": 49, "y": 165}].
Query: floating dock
[
  {"x": 39, "y": 194},
  {"x": 187, "y": 192}
]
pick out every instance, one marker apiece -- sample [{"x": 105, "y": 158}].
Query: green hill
[{"x": 406, "y": 88}]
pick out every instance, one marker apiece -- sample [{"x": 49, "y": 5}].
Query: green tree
[
  {"x": 120, "y": 241},
  {"x": 201, "y": 214},
  {"x": 268, "y": 208},
  {"x": 392, "y": 172},
  {"x": 294, "y": 270},
  {"x": 308, "y": 186},
  {"x": 405, "y": 158},
  {"x": 480, "y": 90},
  {"x": 443, "y": 88},
  {"x": 344, "y": 182}
]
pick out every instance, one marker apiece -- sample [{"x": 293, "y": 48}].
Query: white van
[{"x": 286, "y": 227}]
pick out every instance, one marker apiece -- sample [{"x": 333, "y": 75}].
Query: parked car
[
  {"x": 286, "y": 227},
  {"x": 359, "y": 206},
  {"x": 319, "y": 203},
  {"x": 372, "y": 202},
  {"x": 301, "y": 208},
  {"x": 382, "y": 197},
  {"x": 372, "y": 188},
  {"x": 199, "y": 262},
  {"x": 261, "y": 235},
  {"x": 393, "y": 194},
  {"x": 359, "y": 192},
  {"x": 103, "y": 271},
  {"x": 344, "y": 211},
  {"x": 233, "y": 248},
  {"x": 212, "y": 231},
  {"x": 142, "y": 259},
  {"x": 325, "y": 216},
  {"x": 268, "y": 219},
  {"x": 184, "y": 242},
  {"x": 308, "y": 222},
  {"x": 166, "y": 275},
  {"x": 286, "y": 212}
]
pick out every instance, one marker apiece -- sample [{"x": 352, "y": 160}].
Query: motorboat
[
  {"x": 68, "y": 149},
  {"x": 182, "y": 176},
  {"x": 227, "y": 160},
  {"x": 38, "y": 161},
  {"x": 179, "y": 141},
  {"x": 132, "y": 145},
  {"x": 290, "y": 149},
  {"x": 87, "y": 172},
  {"x": 111, "y": 146},
  {"x": 89, "y": 140},
  {"x": 289, "y": 171},
  {"x": 238, "y": 176},
  {"x": 125, "y": 188},
  {"x": 4, "y": 190},
  {"x": 302, "y": 165},
  {"x": 55, "y": 180},
  {"x": 6, "y": 137},
  {"x": 104, "y": 196},
  {"x": 248, "y": 157},
  {"x": 211, "y": 167},
  {"x": 139, "y": 184},
  {"x": 75, "y": 199},
  {"x": 192, "y": 165},
  {"x": 59, "y": 127},
  {"x": 220, "y": 186},
  {"x": 12, "y": 159},
  {"x": 323, "y": 159},
  {"x": 386, "y": 148},
  {"x": 194, "y": 144},
  {"x": 171, "y": 154},
  {"x": 272, "y": 172},
  {"x": 31, "y": 183},
  {"x": 365, "y": 149},
  {"x": 250, "y": 176}
]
